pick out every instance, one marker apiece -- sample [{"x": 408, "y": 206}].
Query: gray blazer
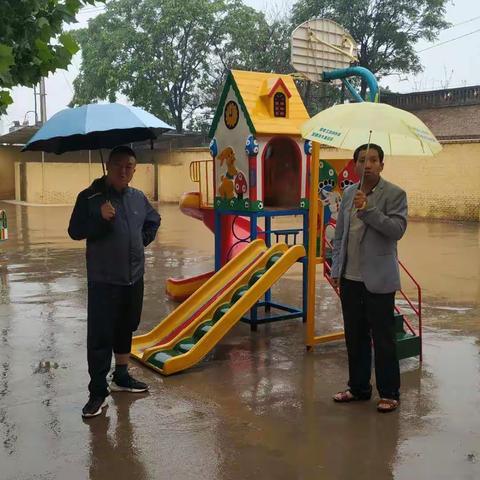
[{"x": 385, "y": 224}]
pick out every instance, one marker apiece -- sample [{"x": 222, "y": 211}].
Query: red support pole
[{"x": 252, "y": 180}]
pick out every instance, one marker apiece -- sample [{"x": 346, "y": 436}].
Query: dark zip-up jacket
[{"x": 115, "y": 248}]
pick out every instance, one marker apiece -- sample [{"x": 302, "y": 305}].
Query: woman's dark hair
[
  {"x": 122, "y": 150},
  {"x": 365, "y": 146}
]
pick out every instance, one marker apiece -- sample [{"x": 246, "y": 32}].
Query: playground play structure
[{"x": 262, "y": 168}]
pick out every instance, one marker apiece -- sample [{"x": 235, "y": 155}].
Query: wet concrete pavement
[{"x": 258, "y": 406}]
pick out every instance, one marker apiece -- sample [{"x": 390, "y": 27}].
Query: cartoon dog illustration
[{"x": 226, "y": 188}]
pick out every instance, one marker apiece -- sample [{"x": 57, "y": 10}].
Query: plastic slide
[
  {"x": 179, "y": 289},
  {"x": 185, "y": 336}
]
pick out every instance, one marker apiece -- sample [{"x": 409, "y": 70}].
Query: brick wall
[{"x": 445, "y": 187}]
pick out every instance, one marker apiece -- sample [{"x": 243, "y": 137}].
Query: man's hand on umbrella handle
[
  {"x": 108, "y": 211},
  {"x": 335, "y": 282},
  {"x": 360, "y": 200}
]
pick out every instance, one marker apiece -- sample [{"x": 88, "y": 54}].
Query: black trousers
[
  {"x": 114, "y": 313},
  {"x": 369, "y": 315}
]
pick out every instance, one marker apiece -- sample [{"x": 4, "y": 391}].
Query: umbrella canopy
[
  {"x": 95, "y": 126},
  {"x": 349, "y": 125}
]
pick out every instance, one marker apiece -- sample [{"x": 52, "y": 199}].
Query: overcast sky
[{"x": 453, "y": 64}]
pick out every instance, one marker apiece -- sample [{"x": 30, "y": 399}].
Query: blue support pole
[
  {"x": 288, "y": 312},
  {"x": 253, "y": 226}
]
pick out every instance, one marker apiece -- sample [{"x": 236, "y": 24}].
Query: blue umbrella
[{"x": 96, "y": 126}]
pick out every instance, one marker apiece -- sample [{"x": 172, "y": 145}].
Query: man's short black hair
[
  {"x": 122, "y": 150},
  {"x": 373, "y": 146}
]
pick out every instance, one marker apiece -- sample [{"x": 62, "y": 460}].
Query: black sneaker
[
  {"x": 126, "y": 383},
  {"x": 94, "y": 406}
]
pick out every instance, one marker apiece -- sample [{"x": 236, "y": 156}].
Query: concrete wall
[
  {"x": 59, "y": 183},
  {"x": 7, "y": 174},
  {"x": 58, "y": 179}
]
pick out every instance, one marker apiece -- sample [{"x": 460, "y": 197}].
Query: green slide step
[
  {"x": 221, "y": 311},
  {"x": 256, "y": 276},
  {"x": 202, "y": 330},
  {"x": 185, "y": 345},
  {"x": 273, "y": 259},
  {"x": 158, "y": 359},
  {"x": 239, "y": 293}
]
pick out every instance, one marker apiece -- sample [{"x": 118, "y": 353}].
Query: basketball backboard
[{"x": 321, "y": 45}]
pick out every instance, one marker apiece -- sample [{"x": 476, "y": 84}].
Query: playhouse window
[{"x": 279, "y": 105}]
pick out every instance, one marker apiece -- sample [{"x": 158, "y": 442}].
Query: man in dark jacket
[{"x": 118, "y": 222}]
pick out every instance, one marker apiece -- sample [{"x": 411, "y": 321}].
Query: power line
[
  {"x": 461, "y": 23},
  {"x": 89, "y": 10},
  {"x": 67, "y": 81},
  {"x": 448, "y": 41}
]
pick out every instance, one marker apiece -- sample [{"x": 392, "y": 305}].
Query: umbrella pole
[
  {"x": 366, "y": 154},
  {"x": 103, "y": 163}
]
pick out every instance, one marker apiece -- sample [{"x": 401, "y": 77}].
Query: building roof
[
  {"x": 20, "y": 136},
  {"x": 251, "y": 88}
]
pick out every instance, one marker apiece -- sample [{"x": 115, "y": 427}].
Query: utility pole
[
  {"x": 35, "y": 103},
  {"x": 43, "y": 119},
  {"x": 43, "y": 101}
]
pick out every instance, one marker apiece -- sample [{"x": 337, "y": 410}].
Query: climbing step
[
  {"x": 399, "y": 325},
  {"x": 408, "y": 345}
]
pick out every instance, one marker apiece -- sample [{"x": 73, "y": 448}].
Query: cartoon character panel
[
  {"x": 335, "y": 176},
  {"x": 231, "y": 159}
]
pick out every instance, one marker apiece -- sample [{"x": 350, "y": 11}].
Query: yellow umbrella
[{"x": 349, "y": 125}]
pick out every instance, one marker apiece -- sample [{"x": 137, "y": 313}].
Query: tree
[
  {"x": 155, "y": 52},
  {"x": 386, "y": 30},
  {"x": 170, "y": 57},
  {"x": 32, "y": 44},
  {"x": 251, "y": 42}
]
